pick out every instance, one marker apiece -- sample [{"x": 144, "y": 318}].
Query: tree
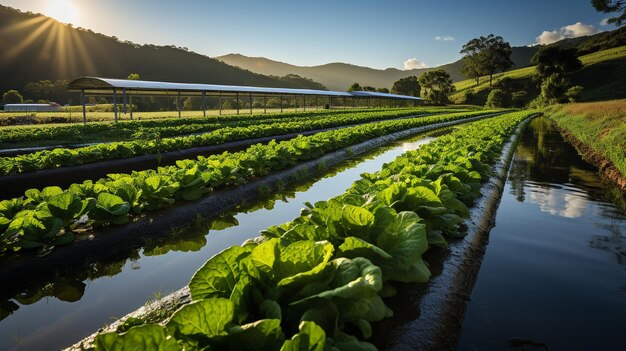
[
  {"x": 608, "y": 6},
  {"x": 486, "y": 55},
  {"x": 355, "y": 87},
  {"x": 133, "y": 76},
  {"x": 554, "y": 59},
  {"x": 554, "y": 87},
  {"x": 471, "y": 68},
  {"x": 368, "y": 88},
  {"x": 438, "y": 85},
  {"x": 12, "y": 97},
  {"x": 407, "y": 86},
  {"x": 498, "y": 98},
  {"x": 47, "y": 90},
  {"x": 383, "y": 90}
]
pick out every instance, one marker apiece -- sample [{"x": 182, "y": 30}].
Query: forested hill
[{"x": 36, "y": 47}]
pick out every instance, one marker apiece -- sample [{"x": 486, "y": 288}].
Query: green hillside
[
  {"x": 603, "y": 76},
  {"x": 36, "y": 47}
]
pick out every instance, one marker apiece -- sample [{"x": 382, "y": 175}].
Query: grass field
[
  {"x": 600, "y": 125},
  {"x": 604, "y": 62}
]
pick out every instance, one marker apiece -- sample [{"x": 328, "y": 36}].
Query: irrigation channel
[
  {"x": 554, "y": 272},
  {"x": 64, "y": 309}
]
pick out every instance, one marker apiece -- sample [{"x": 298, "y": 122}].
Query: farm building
[{"x": 32, "y": 107}]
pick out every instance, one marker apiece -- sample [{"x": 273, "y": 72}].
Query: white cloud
[
  {"x": 604, "y": 22},
  {"x": 444, "y": 38},
  {"x": 578, "y": 29},
  {"x": 414, "y": 63}
]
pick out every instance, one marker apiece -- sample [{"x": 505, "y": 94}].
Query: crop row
[
  {"x": 304, "y": 284},
  {"x": 101, "y": 152},
  {"x": 49, "y": 217},
  {"x": 169, "y": 127}
]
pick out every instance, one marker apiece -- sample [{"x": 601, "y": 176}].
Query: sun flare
[{"x": 62, "y": 10}]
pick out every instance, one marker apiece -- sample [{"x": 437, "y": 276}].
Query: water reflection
[{"x": 543, "y": 169}]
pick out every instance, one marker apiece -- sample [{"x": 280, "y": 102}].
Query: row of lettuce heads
[
  {"x": 59, "y": 157},
  {"x": 304, "y": 284},
  {"x": 45, "y": 218},
  {"x": 165, "y": 128}
]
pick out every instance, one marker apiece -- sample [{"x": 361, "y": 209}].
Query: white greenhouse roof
[{"x": 96, "y": 84}]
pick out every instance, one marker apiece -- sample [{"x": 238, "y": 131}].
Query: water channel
[{"x": 554, "y": 273}]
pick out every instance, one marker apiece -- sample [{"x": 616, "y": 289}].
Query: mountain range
[{"x": 339, "y": 76}]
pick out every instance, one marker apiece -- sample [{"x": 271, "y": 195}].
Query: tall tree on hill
[
  {"x": 609, "y": 6},
  {"x": 407, "y": 86},
  {"x": 438, "y": 85},
  {"x": 486, "y": 55},
  {"x": 554, "y": 59}
]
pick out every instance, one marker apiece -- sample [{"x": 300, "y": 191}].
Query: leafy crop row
[
  {"x": 49, "y": 217},
  {"x": 165, "y": 128},
  {"x": 304, "y": 284},
  {"x": 100, "y": 152}
]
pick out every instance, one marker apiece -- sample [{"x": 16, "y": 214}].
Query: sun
[{"x": 62, "y": 10}]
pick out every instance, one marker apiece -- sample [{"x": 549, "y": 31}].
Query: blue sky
[{"x": 377, "y": 34}]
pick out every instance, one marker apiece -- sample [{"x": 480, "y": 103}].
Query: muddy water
[
  {"x": 554, "y": 272},
  {"x": 61, "y": 311}
]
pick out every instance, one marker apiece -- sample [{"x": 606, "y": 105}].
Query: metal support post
[
  {"x": 178, "y": 103},
  {"x": 204, "y": 104},
  {"x": 124, "y": 98},
  {"x": 115, "y": 104},
  {"x": 82, "y": 101}
]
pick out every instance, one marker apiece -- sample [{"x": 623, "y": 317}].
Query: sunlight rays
[{"x": 62, "y": 47}]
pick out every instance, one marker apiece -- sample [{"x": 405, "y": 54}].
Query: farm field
[
  {"x": 47, "y": 217},
  {"x": 216, "y": 176},
  {"x": 386, "y": 158},
  {"x": 59, "y": 134}
]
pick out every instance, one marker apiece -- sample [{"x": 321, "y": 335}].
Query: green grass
[
  {"x": 585, "y": 77},
  {"x": 600, "y": 125}
]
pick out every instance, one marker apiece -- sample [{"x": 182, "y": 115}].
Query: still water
[
  {"x": 61, "y": 311},
  {"x": 554, "y": 272}
]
